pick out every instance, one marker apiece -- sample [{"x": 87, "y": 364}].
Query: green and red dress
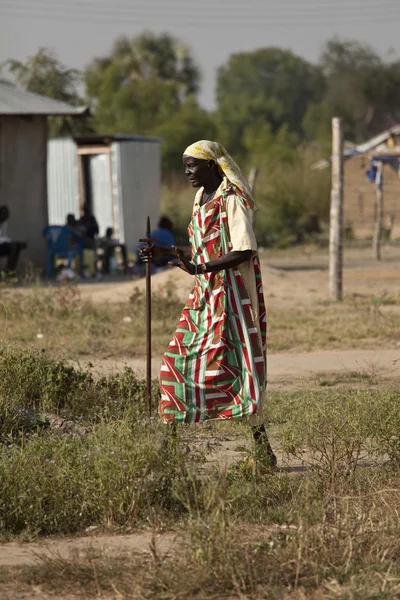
[{"x": 215, "y": 366}]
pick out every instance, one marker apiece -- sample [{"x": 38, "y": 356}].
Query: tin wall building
[
  {"x": 120, "y": 176},
  {"x": 23, "y": 182},
  {"x": 138, "y": 169},
  {"x": 23, "y": 160},
  {"x": 62, "y": 180}
]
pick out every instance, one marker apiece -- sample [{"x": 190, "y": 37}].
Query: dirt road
[
  {"x": 288, "y": 367},
  {"x": 19, "y": 553}
]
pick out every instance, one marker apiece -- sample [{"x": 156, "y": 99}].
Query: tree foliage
[
  {"x": 141, "y": 83},
  {"x": 148, "y": 85},
  {"x": 361, "y": 87},
  {"x": 44, "y": 74},
  {"x": 269, "y": 86},
  {"x": 187, "y": 125},
  {"x": 272, "y": 106}
]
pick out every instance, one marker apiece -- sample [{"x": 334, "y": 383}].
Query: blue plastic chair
[{"x": 59, "y": 238}]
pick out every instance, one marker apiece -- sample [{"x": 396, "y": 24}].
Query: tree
[
  {"x": 265, "y": 148},
  {"x": 143, "y": 82},
  {"x": 186, "y": 126},
  {"x": 271, "y": 86},
  {"x": 44, "y": 74},
  {"x": 361, "y": 87}
]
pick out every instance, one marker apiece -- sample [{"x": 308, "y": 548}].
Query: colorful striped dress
[{"x": 215, "y": 366}]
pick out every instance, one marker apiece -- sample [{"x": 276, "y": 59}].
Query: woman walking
[{"x": 215, "y": 366}]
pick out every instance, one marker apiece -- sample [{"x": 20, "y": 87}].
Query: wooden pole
[
  {"x": 379, "y": 211},
  {"x": 336, "y": 213},
  {"x": 148, "y": 241},
  {"x": 148, "y": 327}
]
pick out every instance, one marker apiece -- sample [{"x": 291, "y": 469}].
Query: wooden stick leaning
[{"x": 149, "y": 242}]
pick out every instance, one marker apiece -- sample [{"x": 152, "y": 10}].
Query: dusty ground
[
  {"x": 17, "y": 554},
  {"x": 287, "y": 370},
  {"x": 290, "y": 278}
]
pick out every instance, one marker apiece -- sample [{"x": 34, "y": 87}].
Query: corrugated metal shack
[
  {"x": 23, "y": 159},
  {"x": 118, "y": 176}
]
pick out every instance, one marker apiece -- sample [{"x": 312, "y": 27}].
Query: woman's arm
[
  {"x": 228, "y": 261},
  {"x": 154, "y": 252}
]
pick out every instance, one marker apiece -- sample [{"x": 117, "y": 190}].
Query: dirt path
[
  {"x": 14, "y": 554},
  {"x": 288, "y": 367},
  {"x": 295, "y": 277}
]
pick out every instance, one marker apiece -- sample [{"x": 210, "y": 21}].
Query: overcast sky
[{"x": 79, "y": 30}]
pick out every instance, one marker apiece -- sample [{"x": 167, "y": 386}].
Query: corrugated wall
[
  {"x": 138, "y": 165},
  {"x": 62, "y": 180},
  {"x": 100, "y": 176}
]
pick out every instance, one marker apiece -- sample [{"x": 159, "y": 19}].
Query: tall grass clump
[
  {"x": 333, "y": 431},
  {"x": 33, "y": 381},
  {"x": 119, "y": 474}
]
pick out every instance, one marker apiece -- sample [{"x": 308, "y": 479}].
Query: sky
[{"x": 79, "y": 30}]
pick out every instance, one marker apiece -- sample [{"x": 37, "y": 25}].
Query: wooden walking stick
[{"x": 149, "y": 242}]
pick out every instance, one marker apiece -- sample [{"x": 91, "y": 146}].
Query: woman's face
[{"x": 197, "y": 171}]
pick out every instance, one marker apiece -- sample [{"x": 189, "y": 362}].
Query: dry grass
[
  {"x": 354, "y": 323},
  {"x": 329, "y": 530},
  {"x": 60, "y": 321},
  {"x": 68, "y": 326},
  {"x": 345, "y": 546}
]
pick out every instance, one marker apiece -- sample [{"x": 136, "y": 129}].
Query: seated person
[
  {"x": 109, "y": 244},
  {"x": 8, "y": 247},
  {"x": 71, "y": 221},
  {"x": 88, "y": 228},
  {"x": 164, "y": 236}
]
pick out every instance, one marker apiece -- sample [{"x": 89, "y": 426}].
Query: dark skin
[{"x": 201, "y": 173}]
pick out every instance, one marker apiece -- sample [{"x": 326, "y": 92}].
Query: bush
[
  {"x": 118, "y": 475},
  {"x": 333, "y": 431},
  {"x": 32, "y": 380}
]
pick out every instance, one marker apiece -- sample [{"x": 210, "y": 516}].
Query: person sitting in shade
[
  {"x": 8, "y": 247},
  {"x": 109, "y": 244},
  {"x": 71, "y": 221},
  {"x": 88, "y": 228},
  {"x": 164, "y": 236}
]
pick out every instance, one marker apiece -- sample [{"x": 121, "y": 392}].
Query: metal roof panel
[{"x": 15, "y": 101}]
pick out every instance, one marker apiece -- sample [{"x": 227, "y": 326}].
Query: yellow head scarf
[{"x": 206, "y": 150}]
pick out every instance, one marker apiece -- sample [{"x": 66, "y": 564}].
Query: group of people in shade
[
  {"x": 215, "y": 365},
  {"x": 86, "y": 229}
]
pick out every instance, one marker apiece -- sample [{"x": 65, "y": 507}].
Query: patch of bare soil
[{"x": 19, "y": 553}]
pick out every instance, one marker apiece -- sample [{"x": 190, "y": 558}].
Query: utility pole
[{"x": 336, "y": 213}]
